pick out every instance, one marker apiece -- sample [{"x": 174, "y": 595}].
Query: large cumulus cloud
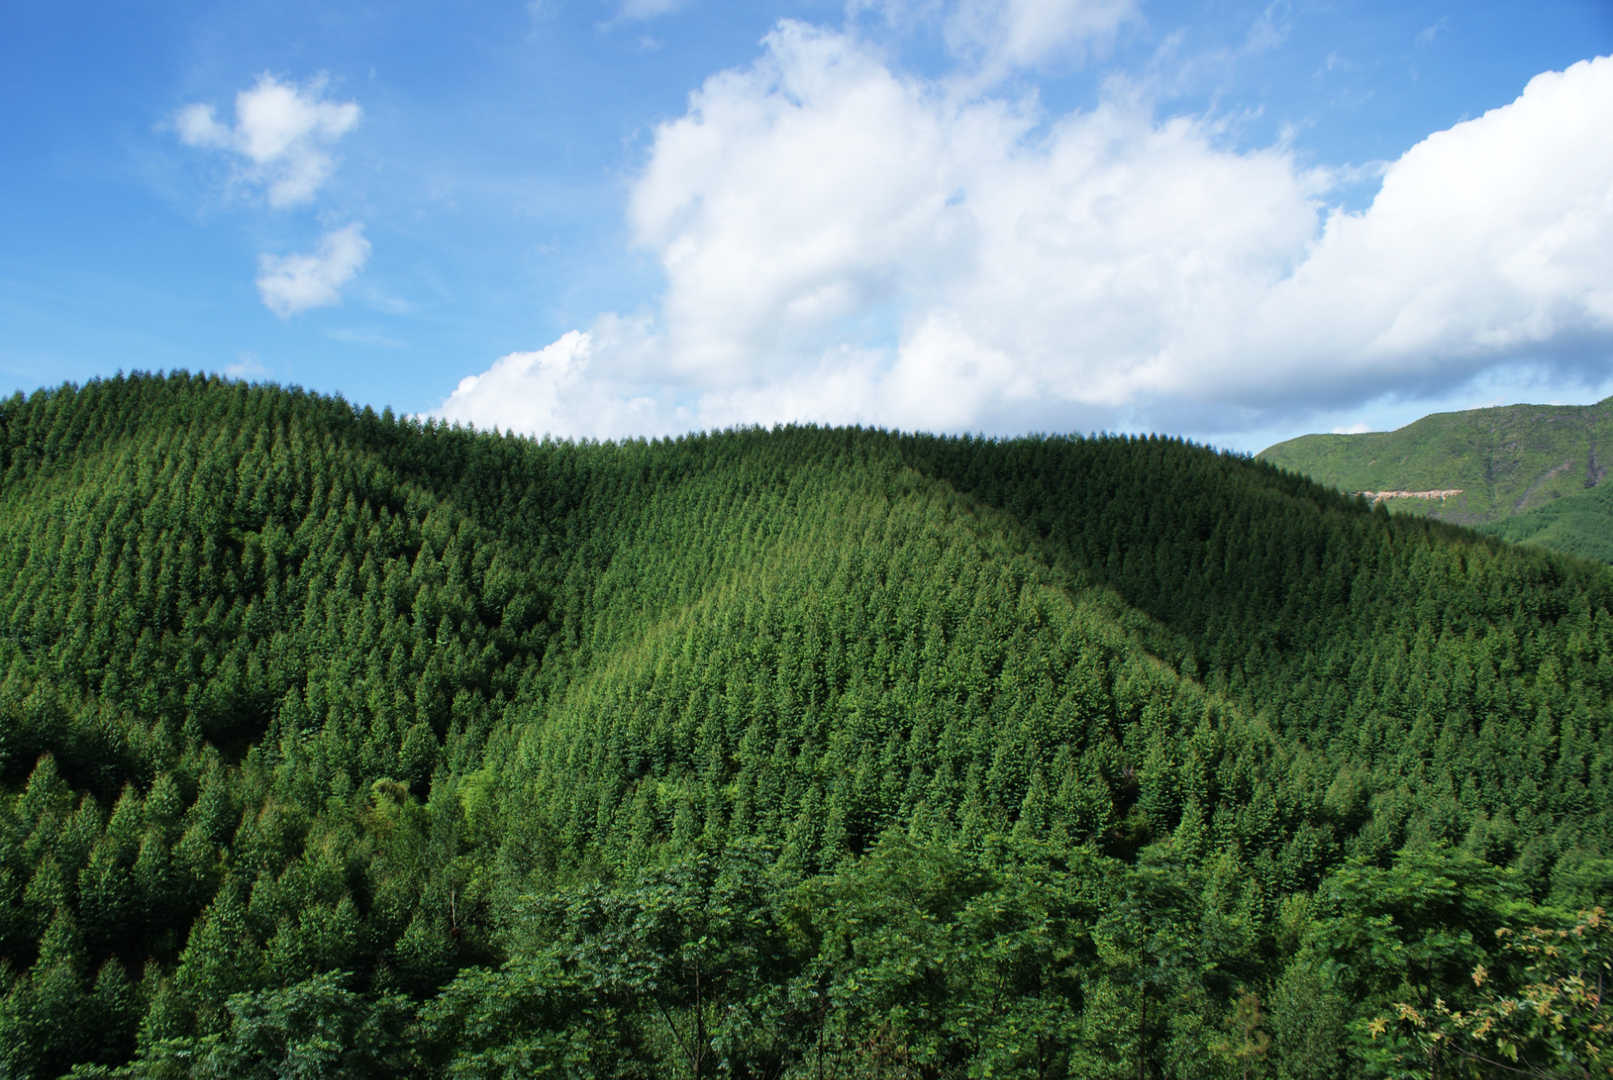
[{"x": 842, "y": 241}]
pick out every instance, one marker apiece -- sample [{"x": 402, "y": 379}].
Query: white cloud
[
  {"x": 1005, "y": 35},
  {"x": 1269, "y": 30},
  {"x": 282, "y": 136},
  {"x": 1427, "y": 34},
  {"x": 292, "y": 283},
  {"x": 998, "y": 37},
  {"x": 805, "y": 190},
  {"x": 844, "y": 242},
  {"x": 561, "y": 390},
  {"x": 246, "y": 366},
  {"x": 1490, "y": 241}
]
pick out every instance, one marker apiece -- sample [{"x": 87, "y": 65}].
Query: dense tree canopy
[{"x": 338, "y": 744}]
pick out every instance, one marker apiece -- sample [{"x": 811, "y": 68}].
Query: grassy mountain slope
[
  {"x": 1500, "y": 463},
  {"x": 759, "y": 753}
]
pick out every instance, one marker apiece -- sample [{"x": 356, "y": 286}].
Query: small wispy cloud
[
  {"x": 1427, "y": 34},
  {"x": 366, "y": 338},
  {"x": 246, "y": 366},
  {"x": 281, "y": 137},
  {"x": 1336, "y": 177},
  {"x": 289, "y": 284},
  {"x": 1025, "y": 34},
  {"x": 641, "y": 10},
  {"x": 1335, "y": 62},
  {"x": 386, "y": 303},
  {"x": 1270, "y": 30}
]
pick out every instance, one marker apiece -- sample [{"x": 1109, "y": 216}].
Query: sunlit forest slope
[
  {"x": 333, "y": 743},
  {"x": 1532, "y": 474}
]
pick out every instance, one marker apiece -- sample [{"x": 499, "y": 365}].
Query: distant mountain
[{"x": 1528, "y": 473}]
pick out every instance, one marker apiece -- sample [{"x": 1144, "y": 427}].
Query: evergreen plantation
[{"x": 338, "y": 744}]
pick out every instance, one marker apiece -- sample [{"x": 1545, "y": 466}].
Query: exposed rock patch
[{"x": 1379, "y": 496}]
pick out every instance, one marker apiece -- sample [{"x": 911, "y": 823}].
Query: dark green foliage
[
  {"x": 337, "y": 745},
  {"x": 318, "y": 1027}
]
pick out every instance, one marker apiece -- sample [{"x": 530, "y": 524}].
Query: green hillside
[
  {"x": 1579, "y": 524},
  {"x": 334, "y": 744},
  {"x": 1482, "y": 467}
]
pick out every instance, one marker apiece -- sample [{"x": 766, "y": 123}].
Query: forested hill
[
  {"x": 1530, "y": 473},
  {"x": 335, "y": 744}
]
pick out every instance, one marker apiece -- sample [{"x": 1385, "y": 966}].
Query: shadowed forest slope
[{"x": 350, "y": 745}]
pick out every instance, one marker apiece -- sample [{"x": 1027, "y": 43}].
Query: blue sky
[{"x": 1234, "y": 221}]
